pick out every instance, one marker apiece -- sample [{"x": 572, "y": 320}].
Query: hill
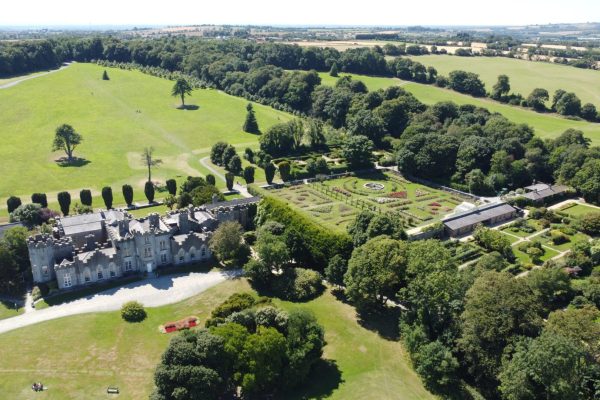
[
  {"x": 524, "y": 75},
  {"x": 117, "y": 119},
  {"x": 546, "y": 125}
]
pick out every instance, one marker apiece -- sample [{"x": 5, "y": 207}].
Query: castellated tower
[{"x": 44, "y": 252}]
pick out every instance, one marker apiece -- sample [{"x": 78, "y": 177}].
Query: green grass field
[
  {"x": 117, "y": 119},
  {"x": 78, "y": 357},
  {"x": 524, "y": 75},
  {"x": 546, "y": 125},
  {"x": 7, "y": 310},
  {"x": 577, "y": 210}
]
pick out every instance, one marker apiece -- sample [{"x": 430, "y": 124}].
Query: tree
[
  {"x": 229, "y": 177},
  {"x": 587, "y": 180},
  {"x": 589, "y": 112},
  {"x": 107, "y": 196},
  {"x": 548, "y": 367},
  {"x": 357, "y": 151},
  {"x": 210, "y": 179},
  {"x": 216, "y": 152},
  {"x": 228, "y": 154},
  {"x": 438, "y": 368},
  {"x": 270, "y": 172},
  {"x": 64, "y": 199},
  {"x": 284, "y": 170},
  {"x": 334, "y": 70},
  {"x": 227, "y": 241},
  {"x": 250, "y": 124},
  {"x": 28, "y": 214},
  {"x": 105, "y": 76},
  {"x": 249, "y": 155},
  {"x": 335, "y": 270},
  {"x": 181, "y": 88},
  {"x": 375, "y": 272},
  {"x": 272, "y": 250},
  {"x": 263, "y": 357},
  {"x": 538, "y": 98},
  {"x": 501, "y": 88},
  {"x": 172, "y": 186},
  {"x": 305, "y": 341},
  {"x": 235, "y": 164},
  {"x": 590, "y": 223},
  {"x": 149, "y": 191},
  {"x": 149, "y": 161},
  {"x": 12, "y": 203},
  {"x": 127, "y": 194},
  {"x": 568, "y": 104},
  {"x": 85, "y": 196},
  {"x": 249, "y": 174},
  {"x": 497, "y": 309},
  {"x": 40, "y": 198},
  {"x": 9, "y": 270},
  {"x": 66, "y": 139}
]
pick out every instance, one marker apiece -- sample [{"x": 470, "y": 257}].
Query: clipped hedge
[{"x": 321, "y": 243}]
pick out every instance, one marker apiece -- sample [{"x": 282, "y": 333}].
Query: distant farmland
[
  {"x": 524, "y": 75},
  {"x": 545, "y": 125}
]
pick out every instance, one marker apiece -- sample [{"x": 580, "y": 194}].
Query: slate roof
[
  {"x": 537, "y": 186},
  {"x": 231, "y": 203},
  {"x": 477, "y": 215},
  {"x": 81, "y": 223},
  {"x": 544, "y": 193}
]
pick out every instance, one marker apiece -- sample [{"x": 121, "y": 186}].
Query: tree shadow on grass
[
  {"x": 75, "y": 162},
  {"x": 189, "y": 107},
  {"x": 384, "y": 321},
  {"x": 323, "y": 379}
]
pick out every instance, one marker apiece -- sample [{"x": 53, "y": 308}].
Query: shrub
[
  {"x": 133, "y": 311},
  {"x": 149, "y": 191},
  {"x": 40, "y": 198},
  {"x": 590, "y": 223},
  {"x": 558, "y": 237},
  {"x": 127, "y": 194},
  {"x": 85, "y": 196},
  {"x": 28, "y": 214},
  {"x": 12, "y": 203},
  {"x": 249, "y": 237},
  {"x": 172, "y": 186},
  {"x": 235, "y": 303},
  {"x": 107, "y": 196}
]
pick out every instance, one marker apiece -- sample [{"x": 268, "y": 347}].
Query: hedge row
[{"x": 321, "y": 244}]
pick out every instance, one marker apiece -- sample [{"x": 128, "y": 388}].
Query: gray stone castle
[{"x": 89, "y": 248}]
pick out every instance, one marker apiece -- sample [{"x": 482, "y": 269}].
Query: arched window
[
  {"x": 87, "y": 276},
  {"x": 67, "y": 280},
  {"x": 112, "y": 270},
  {"x": 100, "y": 273},
  {"x": 203, "y": 251}
]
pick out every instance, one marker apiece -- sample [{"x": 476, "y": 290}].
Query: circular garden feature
[{"x": 374, "y": 186}]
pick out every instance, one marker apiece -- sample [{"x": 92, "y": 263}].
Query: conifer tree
[
  {"x": 250, "y": 124},
  {"x": 334, "y": 70}
]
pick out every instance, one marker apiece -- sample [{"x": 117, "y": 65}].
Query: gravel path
[
  {"x": 239, "y": 188},
  {"x": 14, "y": 83},
  {"x": 151, "y": 292}
]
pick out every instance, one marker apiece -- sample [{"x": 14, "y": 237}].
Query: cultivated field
[
  {"x": 546, "y": 125},
  {"x": 78, "y": 357},
  {"x": 524, "y": 75},
  {"x": 335, "y": 203},
  {"x": 117, "y": 119}
]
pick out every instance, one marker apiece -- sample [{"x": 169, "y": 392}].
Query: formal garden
[{"x": 335, "y": 203}]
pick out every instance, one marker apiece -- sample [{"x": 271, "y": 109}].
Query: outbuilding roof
[{"x": 478, "y": 215}]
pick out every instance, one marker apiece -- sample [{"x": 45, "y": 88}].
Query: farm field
[
  {"x": 78, "y": 357},
  {"x": 546, "y": 125},
  {"x": 524, "y": 75},
  {"x": 117, "y": 119},
  {"x": 335, "y": 203}
]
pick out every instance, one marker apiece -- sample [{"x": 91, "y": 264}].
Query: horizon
[{"x": 71, "y": 13}]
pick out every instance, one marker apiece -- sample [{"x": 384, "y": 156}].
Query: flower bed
[
  {"x": 185, "y": 323},
  {"x": 399, "y": 195}
]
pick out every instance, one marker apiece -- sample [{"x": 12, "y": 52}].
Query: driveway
[
  {"x": 151, "y": 292},
  {"x": 16, "y": 82}
]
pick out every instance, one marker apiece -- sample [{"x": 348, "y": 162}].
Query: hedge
[{"x": 321, "y": 243}]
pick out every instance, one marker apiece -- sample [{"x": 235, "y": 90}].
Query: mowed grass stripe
[{"x": 117, "y": 119}]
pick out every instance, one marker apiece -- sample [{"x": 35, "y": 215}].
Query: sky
[{"x": 304, "y": 12}]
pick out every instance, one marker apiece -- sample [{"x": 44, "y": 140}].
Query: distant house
[
  {"x": 541, "y": 193},
  {"x": 465, "y": 222}
]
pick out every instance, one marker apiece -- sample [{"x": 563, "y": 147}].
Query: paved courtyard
[{"x": 151, "y": 292}]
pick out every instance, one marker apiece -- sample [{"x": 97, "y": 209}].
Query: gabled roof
[
  {"x": 544, "y": 193},
  {"x": 478, "y": 215}
]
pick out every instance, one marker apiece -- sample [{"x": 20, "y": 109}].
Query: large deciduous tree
[
  {"x": 66, "y": 139},
  {"x": 227, "y": 241}
]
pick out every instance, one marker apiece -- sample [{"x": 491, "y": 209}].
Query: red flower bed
[
  {"x": 185, "y": 323},
  {"x": 435, "y": 204},
  {"x": 398, "y": 195}
]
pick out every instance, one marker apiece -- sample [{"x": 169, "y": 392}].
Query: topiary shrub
[{"x": 133, "y": 311}]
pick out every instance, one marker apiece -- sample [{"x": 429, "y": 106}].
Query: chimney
[
  {"x": 183, "y": 222},
  {"x": 191, "y": 213}
]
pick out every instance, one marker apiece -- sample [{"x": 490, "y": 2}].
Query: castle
[{"x": 89, "y": 248}]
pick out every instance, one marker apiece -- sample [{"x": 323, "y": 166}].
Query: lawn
[
  {"x": 545, "y": 125},
  {"x": 78, "y": 357},
  {"x": 335, "y": 203},
  {"x": 524, "y": 75},
  {"x": 117, "y": 119},
  {"x": 7, "y": 310},
  {"x": 524, "y": 257},
  {"x": 577, "y": 210}
]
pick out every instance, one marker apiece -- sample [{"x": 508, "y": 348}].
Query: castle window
[
  {"x": 203, "y": 251},
  {"x": 192, "y": 255},
  {"x": 127, "y": 252},
  {"x": 67, "y": 280},
  {"x": 45, "y": 271},
  {"x": 163, "y": 245},
  {"x": 112, "y": 273},
  {"x": 147, "y": 239},
  {"x": 147, "y": 252},
  {"x": 86, "y": 276},
  {"x": 127, "y": 265},
  {"x": 163, "y": 258},
  {"x": 180, "y": 258},
  {"x": 100, "y": 275}
]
